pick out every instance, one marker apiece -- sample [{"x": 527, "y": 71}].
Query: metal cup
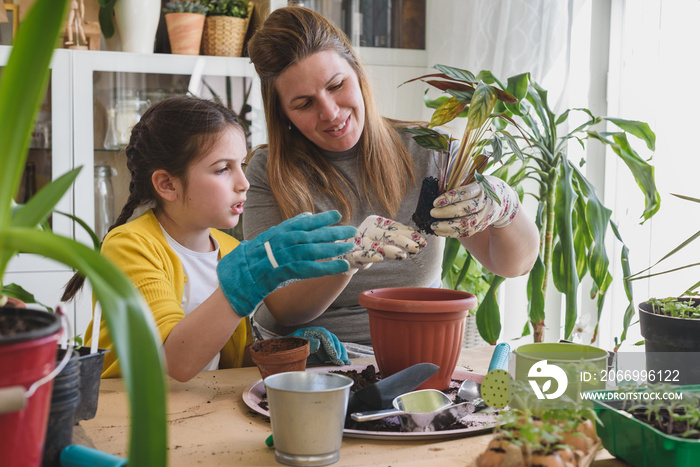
[{"x": 307, "y": 413}]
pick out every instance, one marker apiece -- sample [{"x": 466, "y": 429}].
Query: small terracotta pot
[
  {"x": 410, "y": 325},
  {"x": 185, "y": 32},
  {"x": 280, "y": 354}
]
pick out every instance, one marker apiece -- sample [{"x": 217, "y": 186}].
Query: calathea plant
[{"x": 462, "y": 162}]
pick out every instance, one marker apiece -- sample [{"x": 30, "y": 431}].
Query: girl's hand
[
  {"x": 287, "y": 251},
  {"x": 468, "y": 210},
  {"x": 378, "y": 238}
]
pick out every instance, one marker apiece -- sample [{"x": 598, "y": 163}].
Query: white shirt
[{"x": 200, "y": 279}]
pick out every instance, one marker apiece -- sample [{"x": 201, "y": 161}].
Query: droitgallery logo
[{"x": 541, "y": 370}]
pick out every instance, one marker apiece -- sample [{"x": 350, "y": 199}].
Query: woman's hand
[
  {"x": 469, "y": 210},
  {"x": 378, "y": 238}
]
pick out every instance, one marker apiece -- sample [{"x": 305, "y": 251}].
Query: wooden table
[{"x": 209, "y": 424}]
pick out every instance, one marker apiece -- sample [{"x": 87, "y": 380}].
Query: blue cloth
[
  {"x": 328, "y": 347},
  {"x": 247, "y": 274}
]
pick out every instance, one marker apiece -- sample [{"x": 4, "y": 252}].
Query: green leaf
[
  {"x": 106, "y": 17},
  {"x": 464, "y": 97},
  {"x": 40, "y": 206},
  {"x": 488, "y": 315},
  {"x": 96, "y": 243},
  {"x": 535, "y": 294},
  {"x": 563, "y": 212},
  {"x": 16, "y": 291},
  {"x": 448, "y": 111},
  {"x": 639, "y": 129},
  {"x": 452, "y": 246},
  {"x": 518, "y": 84},
  {"x": 482, "y": 105},
  {"x": 643, "y": 172},
  {"x": 456, "y": 73},
  {"x": 437, "y": 143},
  {"x": 433, "y": 103}
]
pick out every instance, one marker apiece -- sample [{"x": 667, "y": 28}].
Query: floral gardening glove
[
  {"x": 468, "y": 210},
  {"x": 325, "y": 346},
  {"x": 378, "y": 238},
  {"x": 286, "y": 251}
]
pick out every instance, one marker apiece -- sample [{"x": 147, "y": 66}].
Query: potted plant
[
  {"x": 185, "y": 22},
  {"x": 225, "y": 27},
  {"x": 671, "y": 325},
  {"x": 22, "y": 86},
  {"x": 653, "y": 428},
  {"x": 551, "y": 438},
  {"x": 572, "y": 221}
]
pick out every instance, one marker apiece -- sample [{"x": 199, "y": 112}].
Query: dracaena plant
[
  {"x": 572, "y": 220},
  {"x": 22, "y": 86}
]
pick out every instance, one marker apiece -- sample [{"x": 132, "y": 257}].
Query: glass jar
[
  {"x": 104, "y": 199},
  {"x": 128, "y": 112}
]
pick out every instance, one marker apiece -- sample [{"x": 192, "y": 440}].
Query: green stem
[{"x": 548, "y": 241}]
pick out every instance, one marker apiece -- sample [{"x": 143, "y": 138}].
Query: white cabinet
[{"x": 84, "y": 86}]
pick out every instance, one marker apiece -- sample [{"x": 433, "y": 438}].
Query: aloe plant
[
  {"x": 571, "y": 219},
  {"x": 22, "y": 86}
]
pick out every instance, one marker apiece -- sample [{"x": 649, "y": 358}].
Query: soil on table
[{"x": 370, "y": 375}]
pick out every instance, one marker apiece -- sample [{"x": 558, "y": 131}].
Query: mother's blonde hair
[{"x": 295, "y": 165}]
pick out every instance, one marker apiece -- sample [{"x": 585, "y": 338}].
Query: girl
[
  {"x": 330, "y": 149},
  {"x": 186, "y": 158}
]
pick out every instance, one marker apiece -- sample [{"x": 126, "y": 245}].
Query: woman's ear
[{"x": 165, "y": 185}]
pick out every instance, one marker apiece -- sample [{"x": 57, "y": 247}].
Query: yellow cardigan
[{"x": 141, "y": 251}]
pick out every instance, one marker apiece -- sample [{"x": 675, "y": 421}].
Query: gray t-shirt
[{"x": 345, "y": 317}]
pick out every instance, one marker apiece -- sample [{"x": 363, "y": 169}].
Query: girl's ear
[{"x": 165, "y": 185}]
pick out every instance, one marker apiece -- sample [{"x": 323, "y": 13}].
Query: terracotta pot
[
  {"x": 280, "y": 354},
  {"x": 410, "y": 325},
  {"x": 185, "y": 32}
]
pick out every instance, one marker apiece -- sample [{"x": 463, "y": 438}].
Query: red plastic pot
[
  {"x": 26, "y": 357},
  {"x": 410, "y": 325}
]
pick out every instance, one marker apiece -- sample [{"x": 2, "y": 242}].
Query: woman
[{"x": 330, "y": 149}]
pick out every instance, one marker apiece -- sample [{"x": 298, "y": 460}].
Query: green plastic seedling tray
[{"x": 641, "y": 445}]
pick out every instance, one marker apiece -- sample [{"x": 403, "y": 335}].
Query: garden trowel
[{"x": 381, "y": 394}]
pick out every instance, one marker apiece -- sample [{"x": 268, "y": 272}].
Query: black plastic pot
[
  {"x": 672, "y": 345},
  {"x": 64, "y": 400},
  {"x": 90, "y": 372}
]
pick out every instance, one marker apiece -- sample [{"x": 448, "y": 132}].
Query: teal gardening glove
[
  {"x": 286, "y": 251},
  {"x": 325, "y": 346}
]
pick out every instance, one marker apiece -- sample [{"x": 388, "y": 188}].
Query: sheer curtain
[{"x": 507, "y": 37}]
